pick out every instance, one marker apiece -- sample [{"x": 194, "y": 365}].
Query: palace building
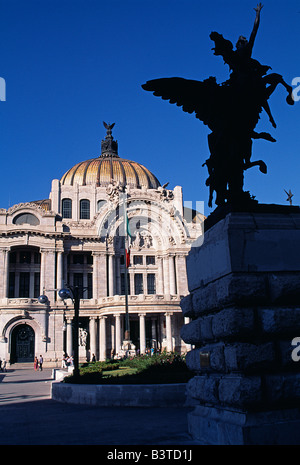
[{"x": 77, "y": 238}]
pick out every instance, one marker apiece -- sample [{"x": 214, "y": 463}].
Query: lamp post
[
  {"x": 127, "y": 324},
  {"x": 73, "y": 293}
]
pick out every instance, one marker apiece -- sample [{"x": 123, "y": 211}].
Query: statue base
[
  {"x": 217, "y": 426},
  {"x": 128, "y": 349},
  {"x": 245, "y": 312}
]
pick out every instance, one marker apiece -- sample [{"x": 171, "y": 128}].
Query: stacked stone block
[{"x": 244, "y": 310}]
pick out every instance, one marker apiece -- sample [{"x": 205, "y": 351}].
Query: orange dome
[{"x": 102, "y": 170}]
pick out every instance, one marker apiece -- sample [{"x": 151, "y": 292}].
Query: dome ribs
[{"x": 102, "y": 170}]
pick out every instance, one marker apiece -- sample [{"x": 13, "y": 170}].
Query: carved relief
[
  {"x": 142, "y": 240},
  {"x": 113, "y": 191}
]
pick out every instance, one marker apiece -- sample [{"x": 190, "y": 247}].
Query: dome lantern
[{"x": 109, "y": 146}]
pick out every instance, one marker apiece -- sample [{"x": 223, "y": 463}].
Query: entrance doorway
[{"x": 22, "y": 344}]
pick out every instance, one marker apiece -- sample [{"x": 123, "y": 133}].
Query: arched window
[
  {"x": 26, "y": 218},
  {"x": 67, "y": 208},
  {"x": 84, "y": 209},
  {"x": 100, "y": 204}
]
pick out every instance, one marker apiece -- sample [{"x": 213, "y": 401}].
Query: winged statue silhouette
[
  {"x": 108, "y": 126},
  {"x": 231, "y": 111}
]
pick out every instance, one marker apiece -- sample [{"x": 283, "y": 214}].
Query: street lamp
[
  {"x": 73, "y": 293},
  {"x": 43, "y": 299}
]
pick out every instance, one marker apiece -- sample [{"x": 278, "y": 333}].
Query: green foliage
[
  {"x": 161, "y": 368},
  {"x": 85, "y": 377},
  {"x": 153, "y": 374},
  {"x": 164, "y": 359},
  {"x": 98, "y": 366},
  {"x": 91, "y": 373}
]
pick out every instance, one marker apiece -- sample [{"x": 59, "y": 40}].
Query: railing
[{"x": 26, "y": 302}]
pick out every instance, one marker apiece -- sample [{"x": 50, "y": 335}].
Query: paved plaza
[{"x": 30, "y": 417}]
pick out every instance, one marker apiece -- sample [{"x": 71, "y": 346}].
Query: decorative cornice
[{"x": 31, "y": 206}]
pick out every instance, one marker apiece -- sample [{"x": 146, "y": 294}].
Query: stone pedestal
[
  {"x": 128, "y": 349},
  {"x": 244, "y": 310}
]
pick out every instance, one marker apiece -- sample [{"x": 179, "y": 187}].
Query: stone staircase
[
  {"x": 18, "y": 366},
  {"x": 29, "y": 365}
]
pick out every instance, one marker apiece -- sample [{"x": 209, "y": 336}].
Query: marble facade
[{"x": 43, "y": 248}]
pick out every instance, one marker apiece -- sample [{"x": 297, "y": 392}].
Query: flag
[
  {"x": 127, "y": 253},
  {"x": 128, "y": 227}
]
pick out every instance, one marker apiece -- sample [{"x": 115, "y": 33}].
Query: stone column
[
  {"x": 69, "y": 337},
  {"x": 118, "y": 333},
  {"x": 142, "y": 333},
  {"x": 145, "y": 283},
  {"x": 99, "y": 275},
  {"x": 102, "y": 342},
  {"x": 118, "y": 275},
  {"x": 169, "y": 331},
  {"x": 95, "y": 274},
  {"x": 65, "y": 269},
  {"x": 112, "y": 337},
  {"x": 48, "y": 272},
  {"x": 93, "y": 329},
  {"x": 111, "y": 274},
  {"x": 60, "y": 265},
  {"x": 42, "y": 273},
  {"x": 75, "y": 203},
  {"x": 166, "y": 275},
  {"x": 181, "y": 275},
  {"x": 4, "y": 270},
  {"x": 160, "y": 276},
  {"x": 172, "y": 275},
  {"x": 130, "y": 278}
]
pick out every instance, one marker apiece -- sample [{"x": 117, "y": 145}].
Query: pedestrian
[
  {"x": 93, "y": 358},
  {"x": 36, "y": 364},
  {"x": 1, "y": 369},
  {"x": 4, "y": 365},
  {"x": 41, "y": 363},
  {"x": 64, "y": 361}
]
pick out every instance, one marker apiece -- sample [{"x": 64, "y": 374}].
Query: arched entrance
[{"x": 22, "y": 344}]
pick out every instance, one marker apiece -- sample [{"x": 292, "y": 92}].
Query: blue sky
[{"x": 71, "y": 64}]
